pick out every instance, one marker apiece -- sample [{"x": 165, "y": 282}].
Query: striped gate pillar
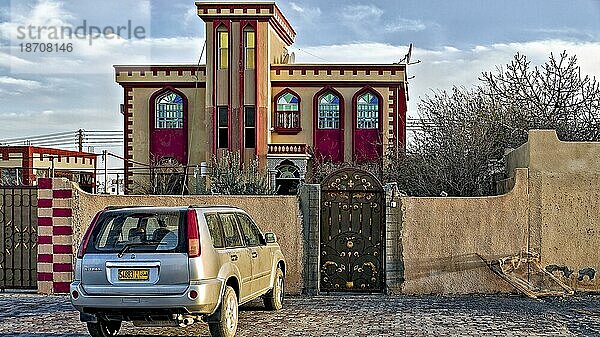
[{"x": 55, "y": 236}]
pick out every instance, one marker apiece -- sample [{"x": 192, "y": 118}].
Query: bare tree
[
  {"x": 459, "y": 151},
  {"x": 166, "y": 176},
  {"x": 229, "y": 176}
]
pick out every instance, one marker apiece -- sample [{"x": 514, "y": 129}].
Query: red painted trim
[
  {"x": 61, "y": 287},
  {"x": 127, "y": 149},
  {"x": 44, "y": 221},
  {"x": 62, "y": 249},
  {"x": 44, "y": 240},
  {"x": 126, "y": 68},
  {"x": 402, "y": 108},
  {"x": 44, "y": 150},
  {"x": 158, "y": 85},
  {"x": 258, "y": 129},
  {"x": 45, "y": 276},
  {"x": 62, "y": 212},
  {"x": 44, "y": 203},
  {"x": 316, "y": 116},
  {"x": 62, "y": 230},
  {"x": 370, "y": 89},
  {"x": 45, "y": 258},
  {"x": 341, "y": 67},
  {"x": 62, "y": 267},
  {"x": 62, "y": 194},
  {"x": 283, "y": 131},
  {"x": 152, "y": 118},
  {"x": 216, "y": 25},
  {"x": 320, "y": 83},
  {"x": 45, "y": 183}
]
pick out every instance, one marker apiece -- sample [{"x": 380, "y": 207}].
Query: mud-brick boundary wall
[{"x": 65, "y": 212}]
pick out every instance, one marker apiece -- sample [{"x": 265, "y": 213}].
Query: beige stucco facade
[{"x": 208, "y": 88}]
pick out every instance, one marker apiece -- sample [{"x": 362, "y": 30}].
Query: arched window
[
  {"x": 169, "y": 111},
  {"x": 329, "y": 111},
  {"x": 367, "y": 111},
  {"x": 287, "y": 112}
]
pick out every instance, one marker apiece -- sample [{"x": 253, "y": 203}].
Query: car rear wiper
[{"x": 134, "y": 244}]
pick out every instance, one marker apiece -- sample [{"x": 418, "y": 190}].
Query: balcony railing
[
  {"x": 288, "y": 149},
  {"x": 287, "y": 122}
]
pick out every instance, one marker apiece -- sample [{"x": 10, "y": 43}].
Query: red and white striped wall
[{"x": 55, "y": 236}]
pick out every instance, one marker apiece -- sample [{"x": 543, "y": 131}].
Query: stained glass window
[
  {"x": 329, "y": 111},
  {"x": 169, "y": 111},
  {"x": 367, "y": 112},
  {"x": 223, "y": 57},
  {"x": 249, "y": 46},
  {"x": 288, "y": 112}
]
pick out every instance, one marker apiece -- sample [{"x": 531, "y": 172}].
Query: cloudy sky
[{"x": 44, "y": 92}]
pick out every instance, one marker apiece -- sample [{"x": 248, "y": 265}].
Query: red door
[
  {"x": 367, "y": 126},
  {"x": 329, "y": 133},
  {"x": 168, "y": 125}
]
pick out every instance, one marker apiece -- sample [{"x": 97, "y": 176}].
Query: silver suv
[{"x": 174, "y": 266}]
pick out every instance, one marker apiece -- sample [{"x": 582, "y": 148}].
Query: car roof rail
[
  {"x": 214, "y": 206},
  {"x": 113, "y": 207}
]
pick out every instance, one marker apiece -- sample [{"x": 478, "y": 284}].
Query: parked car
[{"x": 174, "y": 266}]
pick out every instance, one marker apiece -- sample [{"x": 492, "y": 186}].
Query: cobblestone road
[{"x": 376, "y": 315}]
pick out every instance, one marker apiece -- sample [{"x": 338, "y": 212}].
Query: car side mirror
[{"x": 270, "y": 237}]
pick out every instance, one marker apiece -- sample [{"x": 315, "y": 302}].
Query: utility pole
[
  {"x": 80, "y": 139},
  {"x": 104, "y": 154}
]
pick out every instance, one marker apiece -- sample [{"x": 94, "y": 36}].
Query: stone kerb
[{"x": 55, "y": 235}]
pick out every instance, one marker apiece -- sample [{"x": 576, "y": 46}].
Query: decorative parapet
[
  {"x": 288, "y": 149},
  {"x": 209, "y": 11},
  {"x": 384, "y": 73},
  {"x": 126, "y": 74}
]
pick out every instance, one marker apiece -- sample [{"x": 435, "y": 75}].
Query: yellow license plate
[{"x": 134, "y": 274}]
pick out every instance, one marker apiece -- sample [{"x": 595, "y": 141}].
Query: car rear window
[{"x": 139, "y": 231}]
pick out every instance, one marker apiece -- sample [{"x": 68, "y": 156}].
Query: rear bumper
[{"x": 207, "y": 301}]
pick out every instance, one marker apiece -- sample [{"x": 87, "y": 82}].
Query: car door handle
[
  {"x": 254, "y": 255},
  {"x": 234, "y": 257}
]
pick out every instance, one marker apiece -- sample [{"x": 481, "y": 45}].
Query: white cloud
[
  {"x": 361, "y": 12},
  {"x": 11, "y": 81},
  {"x": 308, "y": 15},
  {"x": 405, "y": 25},
  {"x": 449, "y": 66}
]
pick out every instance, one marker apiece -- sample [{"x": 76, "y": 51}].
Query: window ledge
[{"x": 286, "y": 131}]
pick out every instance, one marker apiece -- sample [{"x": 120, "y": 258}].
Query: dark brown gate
[
  {"x": 18, "y": 238},
  {"x": 352, "y": 232}
]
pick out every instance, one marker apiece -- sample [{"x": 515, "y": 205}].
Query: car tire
[
  {"x": 223, "y": 323},
  {"x": 104, "y": 328},
  {"x": 274, "y": 298}
]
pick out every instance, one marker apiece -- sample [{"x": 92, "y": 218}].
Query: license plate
[{"x": 134, "y": 274}]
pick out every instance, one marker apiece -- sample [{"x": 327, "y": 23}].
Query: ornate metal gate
[
  {"x": 18, "y": 238},
  {"x": 352, "y": 232}
]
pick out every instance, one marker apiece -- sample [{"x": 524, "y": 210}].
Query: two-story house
[{"x": 251, "y": 97}]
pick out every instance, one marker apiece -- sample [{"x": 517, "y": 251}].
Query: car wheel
[
  {"x": 104, "y": 328},
  {"x": 274, "y": 298},
  {"x": 224, "y": 322}
]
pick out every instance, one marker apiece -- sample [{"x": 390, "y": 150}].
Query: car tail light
[
  {"x": 86, "y": 237},
  {"x": 192, "y": 234}
]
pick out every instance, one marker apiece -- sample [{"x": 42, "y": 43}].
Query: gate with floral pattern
[{"x": 352, "y": 232}]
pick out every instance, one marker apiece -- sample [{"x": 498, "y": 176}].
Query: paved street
[{"x": 35, "y": 315}]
